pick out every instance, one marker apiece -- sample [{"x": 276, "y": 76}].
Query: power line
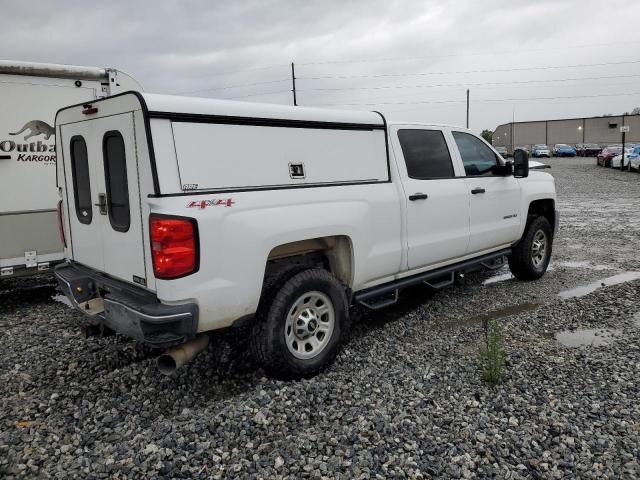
[
  {"x": 565, "y": 102},
  {"x": 413, "y": 94},
  {"x": 480, "y": 100},
  {"x": 394, "y": 75},
  {"x": 504, "y": 52},
  {"x": 257, "y": 94},
  {"x": 465, "y": 84},
  {"x": 506, "y": 100},
  {"x": 234, "y": 86}
]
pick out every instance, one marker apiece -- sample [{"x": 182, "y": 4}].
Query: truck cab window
[
  {"x": 477, "y": 157},
  {"x": 115, "y": 170},
  {"x": 425, "y": 154},
  {"x": 81, "y": 185}
]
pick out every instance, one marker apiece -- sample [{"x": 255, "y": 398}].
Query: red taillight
[
  {"x": 174, "y": 246},
  {"x": 61, "y": 225}
]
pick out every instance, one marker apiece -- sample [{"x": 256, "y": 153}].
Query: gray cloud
[{"x": 172, "y": 46}]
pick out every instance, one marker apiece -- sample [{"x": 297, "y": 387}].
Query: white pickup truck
[{"x": 181, "y": 216}]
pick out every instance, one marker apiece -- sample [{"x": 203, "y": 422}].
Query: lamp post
[{"x": 580, "y": 130}]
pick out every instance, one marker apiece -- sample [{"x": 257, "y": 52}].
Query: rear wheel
[
  {"x": 298, "y": 331},
  {"x": 530, "y": 257}
]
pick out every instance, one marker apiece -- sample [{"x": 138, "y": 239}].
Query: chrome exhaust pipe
[{"x": 176, "y": 357}]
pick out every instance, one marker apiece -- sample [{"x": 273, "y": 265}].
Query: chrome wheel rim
[
  {"x": 309, "y": 325},
  {"x": 539, "y": 248}
]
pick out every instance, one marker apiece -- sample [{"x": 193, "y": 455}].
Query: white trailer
[{"x": 30, "y": 95}]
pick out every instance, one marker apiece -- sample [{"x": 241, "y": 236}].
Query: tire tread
[
  {"x": 277, "y": 295},
  {"x": 520, "y": 260}
]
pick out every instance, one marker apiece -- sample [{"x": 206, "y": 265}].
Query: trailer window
[
  {"x": 425, "y": 153},
  {"x": 115, "y": 170},
  {"x": 81, "y": 185}
]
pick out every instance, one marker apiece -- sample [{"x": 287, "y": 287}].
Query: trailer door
[{"x": 103, "y": 196}]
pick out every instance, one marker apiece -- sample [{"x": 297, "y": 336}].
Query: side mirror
[
  {"x": 503, "y": 170},
  {"x": 520, "y": 164}
]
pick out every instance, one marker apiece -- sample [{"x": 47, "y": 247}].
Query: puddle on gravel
[
  {"x": 62, "y": 299},
  {"x": 502, "y": 277},
  {"x": 510, "y": 310},
  {"x": 495, "y": 314},
  {"x": 591, "y": 337},
  {"x": 583, "y": 264},
  {"x": 603, "y": 282},
  {"x": 498, "y": 278}
]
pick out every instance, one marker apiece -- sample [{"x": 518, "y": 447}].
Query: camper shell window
[
  {"x": 115, "y": 170},
  {"x": 81, "y": 183}
]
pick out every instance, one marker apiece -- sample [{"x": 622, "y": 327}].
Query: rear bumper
[{"x": 130, "y": 311}]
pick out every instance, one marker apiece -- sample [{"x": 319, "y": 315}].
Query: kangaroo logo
[{"x": 36, "y": 127}]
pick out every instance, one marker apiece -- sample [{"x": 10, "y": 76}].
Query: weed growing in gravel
[{"x": 491, "y": 353}]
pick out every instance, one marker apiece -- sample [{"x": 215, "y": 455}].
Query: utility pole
[
  {"x": 624, "y": 133},
  {"x": 467, "y": 108},
  {"x": 293, "y": 80}
]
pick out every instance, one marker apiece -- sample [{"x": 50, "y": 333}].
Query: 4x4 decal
[{"x": 214, "y": 202}]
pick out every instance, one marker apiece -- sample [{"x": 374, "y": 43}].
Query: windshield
[
  {"x": 562, "y": 145},
  {"x": 540, "y": 147}
]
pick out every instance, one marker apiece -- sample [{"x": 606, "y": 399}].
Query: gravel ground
[{"x": 404, "y": 398}]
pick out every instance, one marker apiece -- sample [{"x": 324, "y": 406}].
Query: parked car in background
[
  {"x": 589, "y": 149},
  {"x": 502, "y": 151},
  {"x": 631, "y": 158},
  {"x": 617, "y": 160},
  {"x": 541, "y": 150},
  {"x": 604, "y": 158},
  {"x": 522, "y": 147},
  {"x": 564, "y": 150},
  {"x": 634, "y": 158}
]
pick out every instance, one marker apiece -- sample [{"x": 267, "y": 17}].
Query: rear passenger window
[
  {"x": 477, "y": 157},
  {"x": 81, "y": 185},
  {"x": 426, "y": 154},
  {"x": 115, "y": 170}
]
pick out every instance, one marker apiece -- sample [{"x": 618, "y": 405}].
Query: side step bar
[{"x": 370, "y": 297}]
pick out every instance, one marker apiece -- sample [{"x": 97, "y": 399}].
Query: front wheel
[
  {"x": 530, "y": 257},
  {"x": 299, "y": 330}
]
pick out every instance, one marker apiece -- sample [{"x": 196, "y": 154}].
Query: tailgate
[{"x": 103, "y": 196}]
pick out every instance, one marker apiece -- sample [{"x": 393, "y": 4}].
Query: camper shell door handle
[{"x": 102, "y": 203}]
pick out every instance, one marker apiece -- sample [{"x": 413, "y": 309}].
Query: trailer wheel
[
  {"x": 530, "y": 257},
  {"x": 299, "y": 329}
]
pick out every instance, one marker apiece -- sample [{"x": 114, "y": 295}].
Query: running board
[
  {"x": 380, "y": 301},
  {"x": 368, "y": 297},
  {"x": 494, "y": 264},
  {"x": 442, "y": 283}
]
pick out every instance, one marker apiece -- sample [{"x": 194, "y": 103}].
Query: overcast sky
[{"x": 411, "y": 59}]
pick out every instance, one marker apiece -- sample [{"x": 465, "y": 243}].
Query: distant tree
[
  {"x": 635, "y": 111},
  {"x": 487, "y": 135}
]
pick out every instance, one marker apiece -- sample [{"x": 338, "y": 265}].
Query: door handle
[
  {"x": 418, "y": 196},
  {"x": 102, "y": 203},
  {"x": 477, "y": 190}
]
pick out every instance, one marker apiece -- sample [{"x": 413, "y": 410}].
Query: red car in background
[{"x": 605, "y": 156}]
